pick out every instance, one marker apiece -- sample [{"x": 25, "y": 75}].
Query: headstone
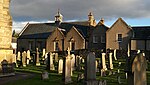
[
  {"x": 56, "y": 57},
  {"x": 37, "y": 57},
  {"x": 73, "y": 62},
  {"x": 115, "y": 57},
  {"x": 43, "y": 55},
  {"x": 103, "y": 61},
  {"x": 110, "y": 61},
  {"x": 28, "y": 56},
  {"x": 138, "y": 51},
  {"x": 78, "y": 62},
  {"x": 139, "y": 66},
  {"x": 60, "y": 66},
  {"x": 51, "y": 62},
  {"x": 128, "y": 50},
  {"x": 96, "y": 65},
  {"x": 90, "y": 69},
  {"x": 45, "y": 75},
  {"x": 19, "y": 56},
  {"x": 24, "y": 57},
  {"x": 68, "y": 68}
]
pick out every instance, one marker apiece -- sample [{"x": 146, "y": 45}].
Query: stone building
[{"x": 6, "y": 51}]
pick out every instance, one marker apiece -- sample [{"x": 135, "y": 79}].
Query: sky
[{"x": 134, "y": 12}]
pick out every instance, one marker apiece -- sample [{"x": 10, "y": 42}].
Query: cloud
[{"x": 37, "y": 10}]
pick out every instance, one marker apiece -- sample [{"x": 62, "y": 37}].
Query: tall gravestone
[
  {"x": 110, "y": 61},
  {"x": 37, "y": 57},
  {"x": 90, "y": 69},
  {"x": 6, "y": 52},
  {"x": 28, "y": 56},
  {"x": 139, "y": 66},
  {"x": 67, "y": 68},
  {"x": 60, "y": 66},
  {"x": 51, "y": 62},
  {"x": 24, "y": 57}
]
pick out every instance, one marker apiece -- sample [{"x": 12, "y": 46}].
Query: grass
[{"x": 56, "y": 79}]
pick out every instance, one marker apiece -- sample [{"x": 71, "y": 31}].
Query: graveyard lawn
[{"x": 56, "y": 79}]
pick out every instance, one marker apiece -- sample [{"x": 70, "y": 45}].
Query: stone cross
[
  {"x": 68, "y": 51},
  {"x": 67, "y": 68},
  {"x": 139, "y": 66},
  {"x": 110, "y": 61},
  {"x": 24, "y": 57},
  {"x": 60, "y": 66}
]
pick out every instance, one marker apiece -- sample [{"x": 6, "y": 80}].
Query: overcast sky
[{"x": 44, "y": 10}]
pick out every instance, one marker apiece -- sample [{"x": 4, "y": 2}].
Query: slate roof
[
  {"x": 43, "y": 30},
  {"x": 141, "y": 32},
  {"x": 37, "y": 31}
]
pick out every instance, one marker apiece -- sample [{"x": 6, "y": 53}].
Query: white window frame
[
  {"x": 103, "y": 39},
  {"x": 95, "y": 39}
]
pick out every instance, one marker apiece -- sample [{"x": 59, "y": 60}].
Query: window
[
  {"x": 73, "y": 46},
  {"x": 119, "y": 38},
  {"x": 103, "y": 39},
  {"x": 95, "y": 39},
  {"x": 30, "y": 45},
  {"x": 56, "y": 46}
]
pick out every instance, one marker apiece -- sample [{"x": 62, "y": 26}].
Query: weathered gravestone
[
  {"x": 139, "y": 66},
  {"x": 67, "y": 68},
  {"x": 60, "y": 66},
  {"x": 104, "y": 68},
  {"x": 24, "y": 57},
  {"x": 45, "y": 75},
  {"x": 73, "y": 62},
  {"x": 56, "y": 57},
  {"x": 37, "y": 57},
  {"x": 90, "y": 69}
]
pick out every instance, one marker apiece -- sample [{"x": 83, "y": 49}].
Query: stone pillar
[{"x": 110, "y": 61}]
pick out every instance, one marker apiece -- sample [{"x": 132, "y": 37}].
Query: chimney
[{"x": 102, "y": 20}]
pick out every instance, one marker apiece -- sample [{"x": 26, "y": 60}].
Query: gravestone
[
  {"x": 90, "y": 69},
  {"x": 67, "y": 68},
  {"x": 96, "y": 65},
  {"x": 19, "y": 56},
  {"x": 115, "y": 57},
  {"x": 103, "y": 61},
  {"x": 51, "y": 62},
  {"x": 24, "y": 57},
  {"x": 28, "y": 56},
  {"x": 60, "y": 66},
  {"x": 56, "y": 57},
  {"x": 139, "y": 66},
  {"x": 43, "y": 55},
  {"x": 110, "y": 61},
  {"x": 37, "y": 57},
  {"x": 44, "y": 75},
  {"x": 78, "y": 62},
  {"x": 73, "y": 62}
]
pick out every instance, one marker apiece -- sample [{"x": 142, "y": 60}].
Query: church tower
[
  {"x": 92, "y": 21},
  {"x": 58, "y": 17}
]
